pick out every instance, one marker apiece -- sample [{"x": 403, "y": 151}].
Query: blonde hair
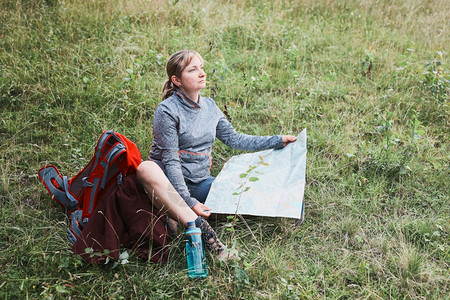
[{"x": 175, "y": 66}]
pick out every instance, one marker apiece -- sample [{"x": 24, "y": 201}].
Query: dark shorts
[{"x": 200, "y": 190}]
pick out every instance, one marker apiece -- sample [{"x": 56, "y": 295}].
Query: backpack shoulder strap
[{"x": 58, "y": 187}]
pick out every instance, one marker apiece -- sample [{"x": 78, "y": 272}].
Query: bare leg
[{"x": 162, "y": 194}]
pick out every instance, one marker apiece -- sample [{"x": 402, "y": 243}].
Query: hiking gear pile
[{"x": 115, "y": 158}]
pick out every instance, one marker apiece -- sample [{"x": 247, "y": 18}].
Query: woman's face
[{"x": 193, "y": 78}]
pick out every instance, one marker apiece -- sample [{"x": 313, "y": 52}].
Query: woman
[{"x": 185, "y": 126}]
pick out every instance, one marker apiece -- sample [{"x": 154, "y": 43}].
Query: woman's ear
[{"x": 175, "y": 80}]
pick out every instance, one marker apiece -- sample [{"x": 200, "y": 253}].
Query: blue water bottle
[{"x": 195, "y": 252}]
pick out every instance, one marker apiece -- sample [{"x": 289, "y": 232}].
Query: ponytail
[{"x": 168, "y": 89}]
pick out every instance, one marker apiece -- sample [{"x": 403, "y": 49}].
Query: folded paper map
[{"x": 266, "y": 183}]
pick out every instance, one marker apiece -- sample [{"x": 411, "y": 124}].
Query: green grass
[{"x": 377, "y": 213}]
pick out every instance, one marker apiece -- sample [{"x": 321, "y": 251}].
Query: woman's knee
[{"x": 148, "y": 171}]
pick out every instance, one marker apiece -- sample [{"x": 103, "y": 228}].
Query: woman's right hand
[{"x": 201, "y": 210}]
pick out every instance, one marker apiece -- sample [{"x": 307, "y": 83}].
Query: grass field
[{"x": 368, "y": 79}]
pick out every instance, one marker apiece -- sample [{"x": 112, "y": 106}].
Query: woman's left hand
[{"x": 288, "y": 139}]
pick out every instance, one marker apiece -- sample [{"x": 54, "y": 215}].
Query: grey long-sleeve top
[{"x": 184, "y": 132}]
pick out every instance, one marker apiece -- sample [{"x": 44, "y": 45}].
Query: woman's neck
[{"x": 194, "y": 96}]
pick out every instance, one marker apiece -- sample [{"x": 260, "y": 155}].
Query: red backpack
[{"x": 115, "y": 157}]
